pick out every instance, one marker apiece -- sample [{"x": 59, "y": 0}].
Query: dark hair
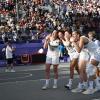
[
  {"x": 9, "y": 42},
  {"x": 69, "y": 30},
  {"x": 61, "y": 31},
  {"x": 78, "y": 32}
]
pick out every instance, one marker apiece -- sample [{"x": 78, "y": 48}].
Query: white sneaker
[
  {"x": 80, "y": 88},
  {"x": 12, "y": 70},
  {"x": 45, "y": 87},
  {"x": 89, "y": 91},
  {"x": 68, "y": 86},
  {"x": 77, "y": 90},
  {"x": 97, "y": 88},
  {"x": 55, "y": 86}
]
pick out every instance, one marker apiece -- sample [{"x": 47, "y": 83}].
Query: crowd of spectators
[{"x": 28, "y": 20}]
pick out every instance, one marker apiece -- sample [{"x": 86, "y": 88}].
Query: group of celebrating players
[{"x": 84, "y": 53}]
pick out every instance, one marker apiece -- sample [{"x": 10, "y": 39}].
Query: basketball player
[
  {"x": 73, "y": 54},
  {"x": 52, "y": 57},
  {"x": 81, "y": 47}
]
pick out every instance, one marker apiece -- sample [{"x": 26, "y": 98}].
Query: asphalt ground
[{"x": 27, "y": 81}]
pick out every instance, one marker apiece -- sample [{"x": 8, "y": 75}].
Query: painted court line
[
  {"x": 27, "y": 75},
  {"x": 24, "y": 81}
]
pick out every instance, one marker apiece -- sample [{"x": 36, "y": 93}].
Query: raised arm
[
  {"x": 78, "y": 45},
  {"x": 47, "y": 39}
]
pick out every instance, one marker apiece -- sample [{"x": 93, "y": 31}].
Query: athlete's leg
[
  {"x": 91, "y": 73},
  {"x": 73, "y": 63}
]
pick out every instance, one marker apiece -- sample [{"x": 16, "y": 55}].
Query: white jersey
[
  {"x": 84, "y": 54},
  {"x": 98, "y": 50},
  {"x": 69, "y": 47},
  {"x": 97, "y": 43},
  {"x": 53, "y": 48},
  {"x": 88, "y": 50},
  {"x": 71, "y": 51},
  {"x": 92, "y": 47},
  {"x": 96, "y": 54},
  {"x": 9, "y": 53}
]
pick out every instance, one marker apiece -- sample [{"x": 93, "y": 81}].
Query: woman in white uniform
[
  {"x": 92, "y": 66},
  {"x": 91, "y": 73},
  {"x": 52, "y": 57},
  {"x": 73, "y": 54},
  {"x": 84, "y": 56},
  {"x": 92, "y": 37}
]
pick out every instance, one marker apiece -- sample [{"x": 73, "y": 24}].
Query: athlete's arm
[
  {"x": 80, "y": 45},
  {"x": 47, "y": 39}
]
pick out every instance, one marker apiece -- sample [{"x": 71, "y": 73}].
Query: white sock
[
  {"x": 55, "y": 81},
  {"x": 91, "y": 84},
  {"x": 47, "y": 81},
  {"x": 85, "y": 84},
  {"x": 80, "y": 85},
  {"x": 70, "y": 81},
  {"x": 97, "y": 82},
  {"x": 98, "y": 78}
]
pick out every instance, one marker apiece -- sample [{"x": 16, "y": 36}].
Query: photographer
[{"x": 9, "y": 57}]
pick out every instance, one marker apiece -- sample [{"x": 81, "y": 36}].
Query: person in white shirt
[
  {"x": 82, "y": 48},
  {"x": 9, "y": 56},
  {"x": 52, "y": 57},
  {"x": 92, "y": 37},
  {"x": 73, "y": 54},
  {"x": 92, "y": 65},
  {"x": 86, "y": 48}
]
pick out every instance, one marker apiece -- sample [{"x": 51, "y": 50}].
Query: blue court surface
[{"x": 27, "y": 81}]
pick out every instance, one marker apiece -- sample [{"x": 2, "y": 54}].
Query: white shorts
[
  {"x": 74, "y": 55},
  {"x": 52, "y": 60},
  {"x": 96, "y": 56},
  {"x": 84, "y": 55}
]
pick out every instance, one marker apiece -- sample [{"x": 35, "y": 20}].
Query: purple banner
[{"x": 25, "y": 48}]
